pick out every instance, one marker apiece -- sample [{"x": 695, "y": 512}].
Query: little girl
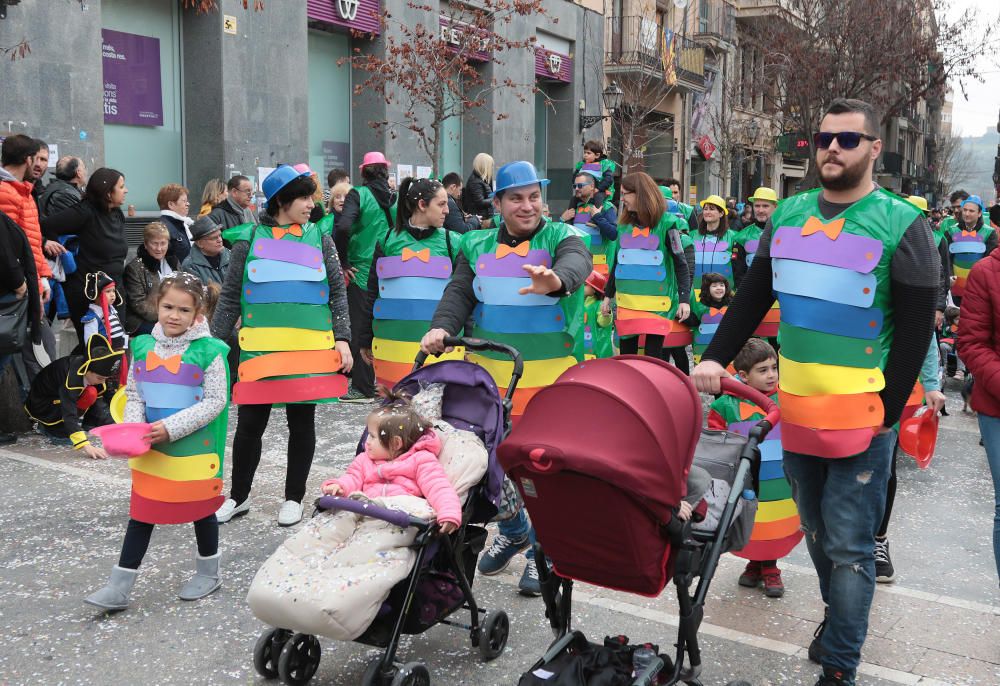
[
  {"x": 101, "y": 316},
  {"x": 401, "y": 458},
  {"x": 179, "y": 383},
  {"x": 598, "y": 332},
  {"x": 708, "y": 309}
]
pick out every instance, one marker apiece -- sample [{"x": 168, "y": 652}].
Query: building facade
[{"x": 188, "y": 97}]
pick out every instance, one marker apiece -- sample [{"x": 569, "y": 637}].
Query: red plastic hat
[
  {"x": 373, "y": 158},
  {"x": 597, "y": 281},
  {"x": 918, "y": 436}
]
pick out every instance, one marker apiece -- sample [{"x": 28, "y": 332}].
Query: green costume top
[
  {"x": 547, "y": 330},
  {"x": 606, "y": 165},
  {"x": 370, "y": 225},
  {"x": 286, "y": 338},
  {"x": 713, "y": 253},
  {"x": 178, "y": 481},
  {"x": 596, "y": 242},
  {"x": 832, "y": 278},
  {"x": 598, "y": 334},
  {"x": 966, "y": 248},
  {"x": 412, "y": 275}
]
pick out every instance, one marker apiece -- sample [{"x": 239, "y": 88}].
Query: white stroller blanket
[{"x": 331, "y": 577}]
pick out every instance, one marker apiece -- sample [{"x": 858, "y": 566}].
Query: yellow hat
[
  {"x": 717, "y": 201},
  {"x": 764, "y": 193},
  {"x": 918, "y": 200}
]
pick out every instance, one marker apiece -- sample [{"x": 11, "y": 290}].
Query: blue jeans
[
  {"x": 841, "y": 503},
  {"x": 989, "y": 427},
  {"x": 517, "y": 527}
]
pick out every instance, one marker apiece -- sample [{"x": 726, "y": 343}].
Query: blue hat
[
  {"x": 740, "y": 206},
  {"x": 517, "y": 175},
  {"x": 975, "y": 200},
  {"x": 279, "y": 178}
]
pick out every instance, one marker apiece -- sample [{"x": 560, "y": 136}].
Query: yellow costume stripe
[
  {"x": 406, "y": 351},
  {"x": 645, "y": 303},
  {"x": 536, "y": 372},
  {"x": 773, "y": 512},
  {"x": 600, "y": 259},
  {"x": 269, "y": 339},
  {"x": 192, "y": 468},
  {"x": 812, "y": 378}
]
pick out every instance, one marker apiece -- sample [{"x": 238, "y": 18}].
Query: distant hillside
[{"x": 982, "y": 151}]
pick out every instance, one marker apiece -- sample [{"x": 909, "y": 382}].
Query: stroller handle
[
  {"x": 740, "y": 390},
  {"x": 394, "y": 517},
  {"x": 483, "y": 344}
]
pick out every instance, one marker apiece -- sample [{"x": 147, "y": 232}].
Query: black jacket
[
  {"x": 180, "y": 244},
  {"x": 226, "y": 215},
  {"x": 102, "y": 237},
  {"x": 142, "y": 277},
  {"x": 476, "y": 197},
  {"x": 58, "y": 196},
  {"x": 55, "y": 392},
  {"x": 455, "y": 219},
  {"x": 17, "y": 267}
]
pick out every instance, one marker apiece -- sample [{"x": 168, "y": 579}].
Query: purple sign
[
  {"x": 132, "y": 93},
  {"x": 553, "y": 66},
  {"x": 358, "y": 15},
  {"x": 455, "y": 35}
]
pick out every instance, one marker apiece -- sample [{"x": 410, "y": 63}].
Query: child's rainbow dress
[
  {"x": 709, "y": 318},
  {"x": 832, "y": 279},
  {"x": 286, "y": 339},
  {"x": 412, "y": 276},
  {"x": 713, "y": 253},
  {"x": 178, "y": 481},
  {"x": 776, "y": 527}
]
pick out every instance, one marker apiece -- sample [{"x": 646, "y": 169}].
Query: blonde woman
[
  {"x": 215, "y": 192},
  {"x": 337, "y": 195},
  {"x": 478, "y": 189},
  {"x": 142, "y": 277}
]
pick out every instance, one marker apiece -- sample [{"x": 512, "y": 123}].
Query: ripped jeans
[{"x": 841, "y": 503}]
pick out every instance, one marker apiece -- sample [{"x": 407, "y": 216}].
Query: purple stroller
[{"x": 440, "y": 582}]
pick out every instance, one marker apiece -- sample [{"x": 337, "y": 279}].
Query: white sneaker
[
  {"x": 230, "y": 509},
  {"x": 290, "y": 513}
]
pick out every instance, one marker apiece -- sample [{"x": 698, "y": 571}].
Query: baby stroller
[
  {"x": 439, "y": 583},
  {"x": 634, "y": 463}
]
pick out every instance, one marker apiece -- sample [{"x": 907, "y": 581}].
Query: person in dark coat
[
  {"x": 100, "y": 226},
  {"x": 235, "y": 208},
  {"x": 142, "y": 277},
  {"x": 478, "y": 191},
  {"x": 209, "y": 258},
  {"x": 174, "y": 208},
  {"x": 66, "y": 190},
  {"x": 456, "y": 220},
  {"x": 17, "y": 271}
]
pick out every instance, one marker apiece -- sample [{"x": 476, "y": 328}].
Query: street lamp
[{"x": 612, "y": 97}]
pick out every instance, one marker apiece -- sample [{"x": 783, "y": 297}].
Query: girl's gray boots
[
  {"x": 205, "y": 581},
  {"x": 114, "y": 596}
]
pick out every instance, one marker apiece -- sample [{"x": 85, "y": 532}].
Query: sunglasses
[
  {"x": 847, "y": 140},
  {"x": 580, "y": 185}
]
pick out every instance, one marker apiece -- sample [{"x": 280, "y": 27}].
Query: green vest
[
  {"x": 188, "y": 487},
  {"x": 832, "y": 278},
  {"x": 713, "y": 253},
  {"x": 597, "y": 340},
  {"x": 597, "y": 243},
  {"x": 643, "y": 263},
  {"x": 370, "y": 225},
  {"x": 606, "y": 165},
  {"x": 966, "y": 249}
]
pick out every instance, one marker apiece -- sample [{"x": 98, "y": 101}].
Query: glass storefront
[{"x": 329, "y": 103}]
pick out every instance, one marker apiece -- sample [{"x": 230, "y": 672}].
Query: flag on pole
[{"x": 669, "y": 57}]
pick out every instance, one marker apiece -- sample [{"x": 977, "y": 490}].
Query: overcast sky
[{"x": 973, "y": 116}]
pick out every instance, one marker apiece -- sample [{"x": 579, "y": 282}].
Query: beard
[{"x": 851, "y": 176}]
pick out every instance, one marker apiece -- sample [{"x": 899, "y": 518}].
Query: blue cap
[
  {"x": 975, "y": 200},
  {"x": 517, "y": 175},
  {"x": 279, "y": 178},
  {"x": 740, "y": 206}
]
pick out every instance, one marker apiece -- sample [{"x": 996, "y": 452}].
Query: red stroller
[{"x": 634, "y": 462}]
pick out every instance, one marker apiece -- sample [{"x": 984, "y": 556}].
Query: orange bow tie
[
  {"x": 968, "y": 233},
  {"x": 504, "y": 250},
  {"x": 716, "y": 310},
  {"x": 422, "y": 255},
  {"x": 279, "y": 233},
  {"x": 171, "y": 364},
  {"x": 749, "y": 411},
  {"x": 640, "y": 232},
  {"x": 832, "y": 230}
]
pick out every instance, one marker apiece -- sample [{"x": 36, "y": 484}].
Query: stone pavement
[{"x": 63, "y": 519}]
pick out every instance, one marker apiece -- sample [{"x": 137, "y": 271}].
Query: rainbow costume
[
  {"x": 749, "y": 240},
  {"x": 776, "y": 527},
  {"x": 966, "y": 248},
  {"x": 832, "y": 280},
  {"x": 709, "y": 319},
  {"x": 713, "y": 253}
]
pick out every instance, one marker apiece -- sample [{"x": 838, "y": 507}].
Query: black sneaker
[
  {"x": 816, "y": 651},
  {"x": 835, "y": 677},
  {"x": 529, "y": 584},
  {"x": 884, "y": 571},
  {"x": 354, "y": 396}
]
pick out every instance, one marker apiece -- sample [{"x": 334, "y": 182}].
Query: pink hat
[
  {"x": 303, "y": 168},
  {"x": 373, "y": 158}
]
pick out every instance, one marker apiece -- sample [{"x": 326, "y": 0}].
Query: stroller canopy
[{"x": 630, "y": 421}]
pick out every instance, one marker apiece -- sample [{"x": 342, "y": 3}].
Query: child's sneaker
[
  {"x": 751, "y": 576},
  {"x": 500, "y": 553},
  {"x": 884, "y": 571},
  {"x": 773, "y": 586}
]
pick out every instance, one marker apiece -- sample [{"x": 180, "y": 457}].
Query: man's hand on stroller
[
  {"x": 707, "y": 375},
  {"x": 433, "y": 342}
]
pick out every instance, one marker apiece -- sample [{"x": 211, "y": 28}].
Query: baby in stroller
[{"x": 401, "y": 458}]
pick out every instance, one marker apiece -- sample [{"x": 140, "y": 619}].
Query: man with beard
[
  {"x": 855, "y": 270},
  {"x": 764, "y": 202},
  {"x": 969, "y": 240}
]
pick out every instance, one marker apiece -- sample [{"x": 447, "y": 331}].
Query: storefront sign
[
  {"x": 132, "y": 93},
  {"x": 357, "y": 15},
  {"x": 706, "y": 147},
  {"x": 336, "y": 155},
  {"x": 454, "y": 34},
  {"x": 553, "y": 66}
]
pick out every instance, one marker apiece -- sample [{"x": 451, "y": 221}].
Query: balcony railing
[
  {"x": 636, "y": 43},
  {"x": 690, "y": 60},
  {"x": 716, "y": 20}
]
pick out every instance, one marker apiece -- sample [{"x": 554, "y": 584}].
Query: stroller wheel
[
  {"x": 373, "y": 673},
  {"x": 266, "y": 652},
  {"x": 412, "y": 674},
  {"x": 493, "y": 633},
  {"x": 299, "y": 659}
]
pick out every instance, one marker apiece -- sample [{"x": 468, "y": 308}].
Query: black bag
[{"x": 13, "y": 323}]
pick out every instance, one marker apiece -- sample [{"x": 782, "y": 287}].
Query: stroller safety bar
[
  {"x": 482, "y": 344},
  {"x": 769, "y": 407},
  {"x": 394, "y": 517}
]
